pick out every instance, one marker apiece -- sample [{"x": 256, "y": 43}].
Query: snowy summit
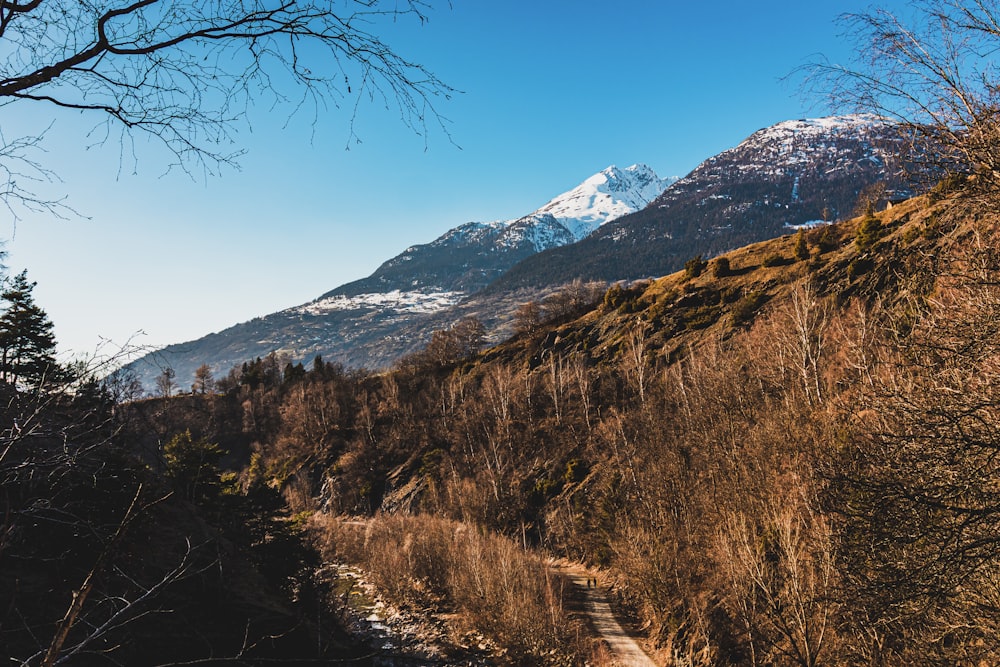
[{"x": 605, "y": 196}]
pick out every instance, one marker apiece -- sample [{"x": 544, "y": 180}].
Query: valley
[
  {"x": 743, "y": 417},
  {"x": 692, "y": 440}
]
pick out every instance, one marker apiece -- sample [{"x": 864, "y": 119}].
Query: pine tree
[
  {"x": 801, "y": 247},
  {"x": 869, "y": 231},
  {"x": 193, "y": 466},
  {"x": 27, "y": 342}
]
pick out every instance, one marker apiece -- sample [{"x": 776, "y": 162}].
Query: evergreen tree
[
  {"x": 869, "y": 232},
  {"x": 721, "y": 267},
  {"x": 293, "y": 372},
  {"x": 193, "y": 466},
  {"x": 27, "y": 342},
  {"x": 801, "y": 250},
  {"x": 694, "y": 267}
]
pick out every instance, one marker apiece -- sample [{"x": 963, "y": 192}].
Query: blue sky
[{"x": 552, "y": 92}]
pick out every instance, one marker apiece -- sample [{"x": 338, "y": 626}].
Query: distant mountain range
[
  {"x": 469, "y": 257},
  {"x": 619, "y": 224},
  {"x": 359, "y": 323}
]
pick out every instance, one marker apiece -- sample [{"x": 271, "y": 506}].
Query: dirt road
[{"x": 623, "y": 647}]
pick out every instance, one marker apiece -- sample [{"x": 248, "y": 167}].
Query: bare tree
[
  {"x": 59, "y": 650},
  {"x": 582, "y": 373},
  {"x": 915, "y": 483},
  {"x": 557, "y": 381},
  {"x": 572, "y": 298},
  {"x": 497, "y": 425},
  {"x": 799, "y": 331},
  {"x": 781, "y": 572},
  {"x": 183, "y": 72},
  {"x": 933, "y": 69},
  {"x": 528, "y": 318},
  {"x": 165, "y": 383},
  {"x": 633, "y": 359}
]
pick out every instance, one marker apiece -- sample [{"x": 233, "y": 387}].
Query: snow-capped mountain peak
[
  {"x": 605, "y": 196},
  {"x": 817, "y": 130},
  {"x": 782, "y": 177}
]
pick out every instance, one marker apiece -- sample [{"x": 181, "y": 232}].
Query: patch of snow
[
  {"x": 540, "y": 231},
  {"x": 810, "y": 224},
  {"x": 619, "y": 234},
  {"x": 822, "y": 126},
  {"x": 468, "y": 234},
  {"x": 394, "y": 300}
]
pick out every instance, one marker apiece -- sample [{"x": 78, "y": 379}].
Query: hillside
[
  {"x": 794, "y": 173},
  {"x": 703, "y": 440}
]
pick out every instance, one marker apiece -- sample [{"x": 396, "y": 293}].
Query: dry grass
[{"x": 492, "y": 585}]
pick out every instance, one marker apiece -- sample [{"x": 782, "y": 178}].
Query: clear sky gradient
[{"x": 552, "y": 92}]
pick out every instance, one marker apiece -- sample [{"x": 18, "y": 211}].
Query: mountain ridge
[
  {"x": 792, "y": 173},
  {"x": 488, "y": 249},
  {"x": 422, "y": 280}
]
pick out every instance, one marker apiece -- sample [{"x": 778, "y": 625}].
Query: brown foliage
[
  {"x": 815, "y": 487},
  {"x": 497, "y": 588}
]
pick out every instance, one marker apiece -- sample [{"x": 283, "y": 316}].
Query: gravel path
[{"x": 623, "y": 647}]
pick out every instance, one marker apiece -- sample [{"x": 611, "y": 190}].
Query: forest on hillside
[
  {"x": 782, "y": 456},
  {"x": 785, "y": 455}
]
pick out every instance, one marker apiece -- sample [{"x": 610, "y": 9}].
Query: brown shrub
[{"x": 495, "y": 586}]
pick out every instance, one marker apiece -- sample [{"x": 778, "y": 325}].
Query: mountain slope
[
  {"x": 470, "y": 256},
  {"x": 360, "y": 323},
  {"x": 620, "y": 224},
  {"x": 684, "y": 432},
  {"x": 791, "y": 174}
]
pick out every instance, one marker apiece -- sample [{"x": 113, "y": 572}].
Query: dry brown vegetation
[
  {"x": 492, "y": 585},
  {"x": 785, "y": 463}
]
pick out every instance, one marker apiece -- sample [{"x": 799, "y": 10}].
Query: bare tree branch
[
  {"x": 185, "y": 73},
  {"x": 80, "y": 596},
  {"x": 933, "y": 69}
]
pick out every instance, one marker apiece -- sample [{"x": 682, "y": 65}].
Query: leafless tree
[
  {"x": 583, "y": 374},
  {"x": 556, "y": 381},
  {"x": 165, "y": 383},
  {"x": 633, "y": 359},
  {"x": 572, "y": 298},
  {"x": 528, "y": 319},
  {"x": 497, "y": 425},
  {"x": 933, "y": 69},
  {"x": 798, "y": 333},
  {"x": 781, "y": 571},
  {"x": 184, "y": 72},
  {"x": 59, "y": 649},
  {"x": 915, "y": 486}
]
